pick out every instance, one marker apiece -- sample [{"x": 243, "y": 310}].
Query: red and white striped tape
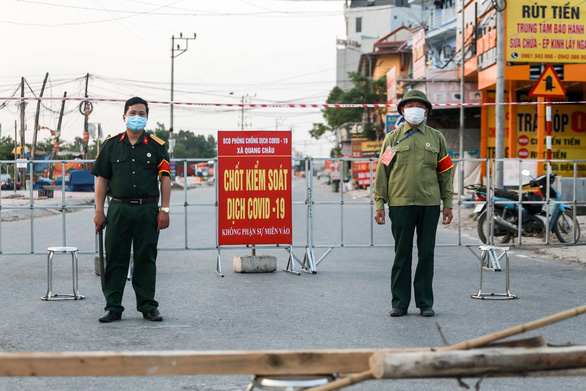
[{"x": 276, "y": 105}]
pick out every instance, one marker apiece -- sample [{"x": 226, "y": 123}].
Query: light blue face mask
[{"x": 136, "y": 123}]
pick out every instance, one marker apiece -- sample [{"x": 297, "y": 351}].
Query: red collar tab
[
  {"x": 123, "y": 136},
  {"x": 145, "y": 140}
]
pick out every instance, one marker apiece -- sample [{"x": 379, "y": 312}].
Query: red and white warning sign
[{"x": 254, "y": 187}]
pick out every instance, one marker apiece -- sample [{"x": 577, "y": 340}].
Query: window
[{"x": 358, "y": 25}]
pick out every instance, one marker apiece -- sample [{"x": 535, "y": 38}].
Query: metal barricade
[{"x": 307, "y": 205}]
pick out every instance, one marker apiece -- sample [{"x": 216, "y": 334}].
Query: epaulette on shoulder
[
  {"x": 158, "y": 140},
  {"x": 114, "y": 136}
]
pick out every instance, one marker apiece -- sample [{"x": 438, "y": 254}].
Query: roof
[
  {"x": 370, "y": 3},
  {"x": 394, "y": 42}
]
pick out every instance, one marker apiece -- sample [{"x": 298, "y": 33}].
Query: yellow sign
[
  {"x": 371, "y": 146},
  {"x": 546, "y": 30},
  {"x": 568, "y": 136},
  {"x": 548, "y": 85}
]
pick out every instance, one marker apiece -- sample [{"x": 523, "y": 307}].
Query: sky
[{"x": 252, "y": 51}]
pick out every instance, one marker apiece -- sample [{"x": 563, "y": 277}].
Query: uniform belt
[{"x": 137, "y": 201}]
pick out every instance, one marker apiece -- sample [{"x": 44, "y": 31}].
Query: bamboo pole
[
  {"x": 482, "y": 341},
  {"x": 476, "y": 362},
  {"x": 345, "y": 382},
  {"x": 523, "y": 328}
]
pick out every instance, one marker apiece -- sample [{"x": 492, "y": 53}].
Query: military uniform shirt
[
  {"x": 412, "y": 177},
  {"x": 132, "y": 170}
]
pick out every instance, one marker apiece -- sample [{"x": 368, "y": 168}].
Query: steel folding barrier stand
[{"x": 490, "y": 260}]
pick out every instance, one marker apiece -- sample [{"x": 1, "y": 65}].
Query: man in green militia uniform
[
  {"x": 127, "y": 170},
  {"x": 414, "y": 176}
]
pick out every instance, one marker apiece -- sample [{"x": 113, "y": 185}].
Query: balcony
[{"x": 441, "y": 17}]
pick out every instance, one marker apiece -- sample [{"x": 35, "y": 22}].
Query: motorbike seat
[{"x": 502, "y": 193}]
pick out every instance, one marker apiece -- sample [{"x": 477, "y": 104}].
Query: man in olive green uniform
[
  {"x": 414, "y": 176},
  {"x": 128, "y": 169}
]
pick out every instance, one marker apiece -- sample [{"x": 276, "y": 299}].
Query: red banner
[
  {"x": 362, "y": 170},
  {"x": 254, "y": 179}
]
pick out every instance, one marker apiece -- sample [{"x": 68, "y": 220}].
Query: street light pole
[
  {"x": 179, "y": 50},
  {"x": 500, "y": 96}
]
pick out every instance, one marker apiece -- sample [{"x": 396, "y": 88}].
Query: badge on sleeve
[{"x": 388, "y": 156}]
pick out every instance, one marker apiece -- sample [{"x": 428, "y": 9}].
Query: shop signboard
[
  {"x": 546, "y": 31},
  {"x": 568, "y": 136}
]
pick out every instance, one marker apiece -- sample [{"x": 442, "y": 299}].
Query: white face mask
[{"x": 414, "y": 115}]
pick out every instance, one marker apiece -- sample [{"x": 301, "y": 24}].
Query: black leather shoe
[
  {"x": 427, "y": 312},
  {"x": 396, "y": 312},
  {"x": 153, "y": 315},
  {"x": 110, "y": 316}
]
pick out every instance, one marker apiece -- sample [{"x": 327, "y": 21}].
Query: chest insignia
[{"x": 149, "y": 154}]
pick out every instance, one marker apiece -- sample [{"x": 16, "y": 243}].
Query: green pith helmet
[{"x": 414, "y": 95}]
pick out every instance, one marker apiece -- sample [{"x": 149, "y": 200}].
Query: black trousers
[
  {"x": 405, "y": 222},
  {"x": 131, "y": 226}
]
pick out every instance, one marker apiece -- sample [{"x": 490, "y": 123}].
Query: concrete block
[{"x": 255, "y": 264}]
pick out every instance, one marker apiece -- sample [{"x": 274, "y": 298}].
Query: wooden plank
[
  {"x": 167, "y": 363},
  {"x": 478, "y": 362}
]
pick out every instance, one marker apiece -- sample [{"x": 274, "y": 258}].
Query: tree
[
  {"x": 45, "y": 146},
  {"x": 161, "y": 132},
  {"x": 6, "y": 147},
  {"x": 187, "y": 144},
  {"x": 364, "y": 91}
]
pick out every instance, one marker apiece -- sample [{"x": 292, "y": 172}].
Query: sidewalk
[{"x": 21, "y": 198}]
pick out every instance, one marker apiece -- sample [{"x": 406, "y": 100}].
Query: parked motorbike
[{"x": 533, "y": 216}]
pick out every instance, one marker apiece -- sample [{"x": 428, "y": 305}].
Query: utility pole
[
  {"x": 462, "y": 101},
  {"x": 245, "y": 99},
  {"x": 36, "y": 130},
  {"x": 57, "y": 136},
  {"x": 15, "y": 176},
  {"x": 179, "y": 51},
  {"x": 500, "y": 96},
  {"x": 279, "y": 121},
  {"x": 86, "y": 114},
  {"x": 22, "y": 128},
  {"x": 99, "y": 138}
]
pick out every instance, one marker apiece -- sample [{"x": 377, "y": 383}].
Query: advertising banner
[
  {"x": 392, "y": 86},
  {"x": 568, "y": 135},
  {"x": 362, "y": 170},
  {"x": 391, "y": 122},
  {"x": 334, "y": 167},
  {"x": 546, "y": 31},
  {"x": 254, "y": 187},
  {"x": 419, "y": 54}
]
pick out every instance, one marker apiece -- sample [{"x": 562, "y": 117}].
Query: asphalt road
[{"x": 345, "y": 305}]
